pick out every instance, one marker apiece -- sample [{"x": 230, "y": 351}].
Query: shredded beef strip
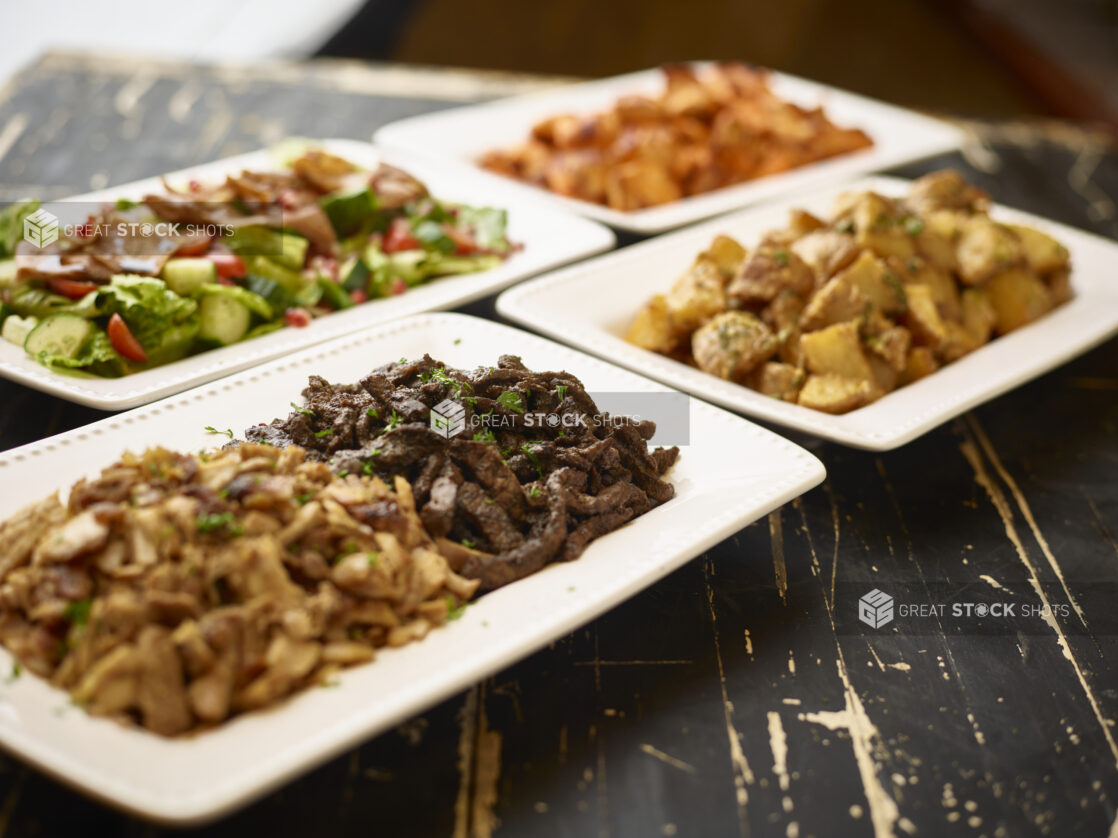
[{"x": 506, "y": 496}]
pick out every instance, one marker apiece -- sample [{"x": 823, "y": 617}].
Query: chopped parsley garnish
[
  {"x": 781, "y": 257},
  {"x": 322, "y": 433},
  {"x": 373, "y": 558},
  {"x": 372, "y": 413},
  {"x": 217, "y": 520},
  {"x": 561, "y": 389},
  {"x": 304, "y": 410},
  {"x": 469, "y": 542},
  {"x": 367, "y": 469},
  {"x": 78, "y": 612},
  {"x": 913, "y": 226},
  {"x": 533, "y": 458},
  {"x": 484, "y": 435},
  {"x": 17, "y": 670},
  {"x": 510, "y": 400},
  {"x": 845, "y": 226},
  {"x": 393, "y": 422},
  {"x": 897, "y": 286},
  {"x": 534, "y": 492},
  {"x": 304, "y": 497},
  {"x": 211, "y": 429},
  {"x": 457, "y": 341},
  {"x": 454, "y": 608}
]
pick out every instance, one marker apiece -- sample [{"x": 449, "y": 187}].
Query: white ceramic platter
[
  {"x": 619, "y": 283},
  {"x": 550, "y": 237},
  {"x": 464, "y": 134},
  {"x": 732, "y": 472}
]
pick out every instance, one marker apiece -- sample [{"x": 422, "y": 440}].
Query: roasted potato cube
[
  {"x": 783, "y": 313},
  {"x": 959, "y": 342},
  {"x": 696, "y": 296},
  {"x": 727, "y": 254},
  {"x": 978, "y": 314},
  {"x": 945, "y": 189},
  {"x": 937, "y": 248},
  {"x": 984, "y": 249},
  {"x": 838, "y": 350},
  {"x": 1059, "y": 286},
  {"x": 879, "y": 285},
  {"x": 826, "y": 252},
  {"x": 653, "y": 328},
  {"x": 1042, "y": 252},
  {"x": 884, "y": 375},
  {"x": 944, "y": 288},
  {"x": 1018, "y": 297},
  {"x": 877, "y": 227},
  {"x": 732, "y": 344},
  {"x": 921, "y": 363},
  {"x": 836, "y": 302},
  {"x": 801, "y": 222},
  {"x": 781, "y": 381},
  {"x": 836, "y": 394},
  {"x": 889, "y": 342},
  {"x": 767, "y": 271},
  {"x": 923, "y": 316}
]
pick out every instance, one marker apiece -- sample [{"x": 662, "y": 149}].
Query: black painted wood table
[{"x": 741, "y": 695}]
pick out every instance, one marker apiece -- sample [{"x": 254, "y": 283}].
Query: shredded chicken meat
[{"x": 175, "y": 591}]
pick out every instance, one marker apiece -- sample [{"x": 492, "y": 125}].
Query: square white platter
[
  {"x": 619, "y": 283},
  {"x": 464, "y": 134},
  {"x": 731, "y": 473},
  {"x": 550, "y": 237}
]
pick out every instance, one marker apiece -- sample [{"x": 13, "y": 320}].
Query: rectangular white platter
[
  {"x": 464, "y": 134},
  {"x": 731, "y": 473},
  {"x": 619, "y": 283},
  {"x": 549, "y": 235}
]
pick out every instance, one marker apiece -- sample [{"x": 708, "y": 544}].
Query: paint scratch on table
[
  {"x": 668, "y": 759},
  {"x": 776, "y": 537},
  {"x": 743, "y": 775},
  {"x": 1001, "y": 505},
  {"x": 1026, "y": 511}
]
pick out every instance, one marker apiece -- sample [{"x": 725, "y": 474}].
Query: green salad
[{"x": 144, "y": 283}]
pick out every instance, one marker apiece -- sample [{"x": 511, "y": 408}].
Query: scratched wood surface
[{"x": 739, "y": 696}]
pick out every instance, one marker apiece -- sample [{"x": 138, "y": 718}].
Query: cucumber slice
[
  {"x": 334, "y": 294},
  {"x": 253, "y": 302},
  {"x": 7, "y": 272},
  {"x": 222, "y": 319},
  {"x": 354, "y": 274},
  {"x": 60, "y": 335},
  {"x": 16, "y": 329},
  {"x": 186, "y": 276},
  {"x": 286, "y": 249}
]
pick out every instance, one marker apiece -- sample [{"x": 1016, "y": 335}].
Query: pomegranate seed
[
  {"x": 358, "y": 296},
  {"x": 397, "y": 287}
]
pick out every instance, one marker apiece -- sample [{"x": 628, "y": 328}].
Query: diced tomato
[
  {"x": 397, "y": 287},
  {"x": 194, "y": 247},
  {"x": 123, "y": 341},
  {"x": 229, "y": 265},
  {"x": 73, "y": 288},
  {"x": 358, "y": 296},
  {"x": 297, "y": 317},
  {"x": 464, "y": 243},
  {"x": 399, "y": 237}
]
